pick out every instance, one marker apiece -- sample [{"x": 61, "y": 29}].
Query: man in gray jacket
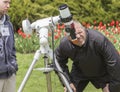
[
  {"x": 8, "y": 64},
  {"x": 94, "y": 57}
]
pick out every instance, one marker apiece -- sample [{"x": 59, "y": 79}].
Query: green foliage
[
  {"x": 82, "y": 10},
  {"x": 21, "y": 10}
]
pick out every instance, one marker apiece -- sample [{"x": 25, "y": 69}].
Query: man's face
[
  {"x": 80, "y": 35},
  {"x": 4, "y": 6}
]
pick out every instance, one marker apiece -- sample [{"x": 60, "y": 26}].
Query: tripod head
[{"x": 42, "y": 27}]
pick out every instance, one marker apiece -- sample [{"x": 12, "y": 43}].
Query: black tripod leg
[
  {"x": 63, "y": 78},
  {"x": 48, "y": 75}
]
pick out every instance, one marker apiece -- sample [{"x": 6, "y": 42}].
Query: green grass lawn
[{"x": 37, "y": 80}]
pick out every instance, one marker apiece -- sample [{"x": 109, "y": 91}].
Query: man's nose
[{"x": 8, "y": 5}]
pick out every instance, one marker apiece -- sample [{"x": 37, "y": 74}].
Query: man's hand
[
  {"x": 106, "y": 88},
  {"x": 72, "y": 86}
]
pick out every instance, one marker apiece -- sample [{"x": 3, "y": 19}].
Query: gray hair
[{"x": 81, "y": 26}]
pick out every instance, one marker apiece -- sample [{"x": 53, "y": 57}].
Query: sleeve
[
  {"x": 62, "y": 60},
  {"x": 112, "y": 59}
]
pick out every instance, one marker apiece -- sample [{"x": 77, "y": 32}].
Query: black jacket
[{"x": 96, "y": 58}]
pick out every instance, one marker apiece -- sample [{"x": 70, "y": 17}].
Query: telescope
[
  {"x": 65, "y": 17},
  {"x": 42, "y": 26}
]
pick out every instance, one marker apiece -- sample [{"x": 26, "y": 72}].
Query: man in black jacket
[{"x": 94, "y": 57}]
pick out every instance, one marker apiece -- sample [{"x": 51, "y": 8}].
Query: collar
[{"x": 2, "y": 20}]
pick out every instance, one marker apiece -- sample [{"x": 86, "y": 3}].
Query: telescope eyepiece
[{"x": 62, "y": 7}]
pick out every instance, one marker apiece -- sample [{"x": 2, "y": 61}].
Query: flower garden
[{"x": 30, "y": 43}]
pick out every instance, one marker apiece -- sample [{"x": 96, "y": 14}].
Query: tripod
[{"x": 48, "y": 53}]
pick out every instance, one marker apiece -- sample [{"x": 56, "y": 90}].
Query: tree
[{"x": 82, "y": 10}]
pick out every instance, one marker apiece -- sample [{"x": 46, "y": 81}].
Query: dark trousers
[{"x": 97, "y": 83}]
